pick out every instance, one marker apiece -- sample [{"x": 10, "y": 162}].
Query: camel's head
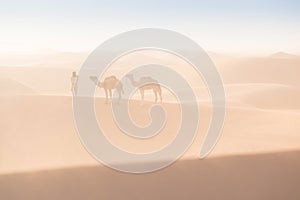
[
  {"x": 130, "y": 76},
  {"x": 100, "y": 84},
  {"x": 94, "y": 79}
]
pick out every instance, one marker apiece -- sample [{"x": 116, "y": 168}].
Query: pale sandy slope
[
  {"x": 41, "y": 156},
  {"x": 12, "y": 87},
  {"x": 38, "y": 132},
  {"x": 262, "y": 176}
]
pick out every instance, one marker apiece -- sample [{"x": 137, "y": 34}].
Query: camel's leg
[
  {"x": 142, "y": 94},
  {"x": 155, "y": 93},
  {"x": 160, "y": 95},
  {"x": 110, "y": 94},
  {"x": 106, "y": 96},
  {"x": 120, "y": 94}
]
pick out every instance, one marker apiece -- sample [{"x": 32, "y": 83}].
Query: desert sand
[{"x": 257, "y": 156}]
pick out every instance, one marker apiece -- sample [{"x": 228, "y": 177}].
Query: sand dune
[
  {"x": 43, "y": 58},
  {"x": 284, "y": 97},
  {"x": 38, "y": 132},
  {"x": 263, "y": 95},
  {"x": 261, "y": 70},
  {"x": 265, "y": 176},
  {"x": 41, "y": 156},
  {"x": 12, "y": 87},
  {"x": 44, "y": 80},
  {"x": 284, "y": 55}
]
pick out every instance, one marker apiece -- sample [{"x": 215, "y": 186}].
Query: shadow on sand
[{"x": 265, "y": 176}]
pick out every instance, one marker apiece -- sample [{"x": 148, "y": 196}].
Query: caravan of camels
[{"x": 112, "y": 82}]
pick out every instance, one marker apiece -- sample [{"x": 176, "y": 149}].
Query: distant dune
[
  {"x": 43, "y": 80},
  {"x": 274, "y": 98},
  {"x": 284, "y": 55},
  {"x": 45, "y": 58},
  {"x": 264, "y": 95},
  {"x": 261, "y": 70},
  {"x": 12, "y": 87}
]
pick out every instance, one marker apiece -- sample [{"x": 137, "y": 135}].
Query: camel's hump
[
  {"x": 148, "y": 79},
  {"x": 111, "y": 77}
]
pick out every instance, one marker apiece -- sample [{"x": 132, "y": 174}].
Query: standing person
[{"x": 74, "y": 79}]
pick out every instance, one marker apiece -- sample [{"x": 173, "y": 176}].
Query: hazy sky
[{"x": 239, "y": 27}]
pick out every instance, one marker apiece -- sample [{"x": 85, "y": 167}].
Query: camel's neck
[
  {"x": 95, "y": 81},
  {"x": 133, "y": 82}
]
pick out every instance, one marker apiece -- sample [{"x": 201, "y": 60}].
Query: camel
[
  {"x": 108, "y": 85},
  {"x": 146, "y": 83}
]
